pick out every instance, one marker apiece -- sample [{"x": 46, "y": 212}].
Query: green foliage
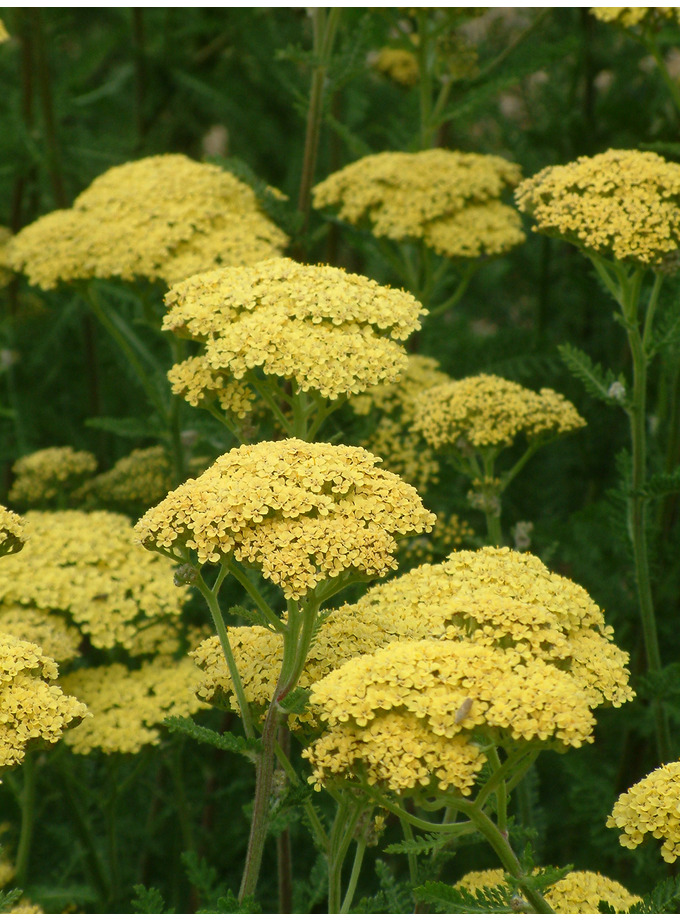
[
  {"x": 296, "y": 701},
  {"x": 448, "y": 899},
  {"x": 224, "y": 741},
  {"x": 148, "y": 901},
  {"x": 664, "y": 899},
  {"x": 604, "y": 385},
  {"x": 398, "y": 895}
]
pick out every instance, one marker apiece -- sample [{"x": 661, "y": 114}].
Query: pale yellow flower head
[
  {"x": 631, "y": 16},
  {"x": 399, "y": 64},
  {"x": 200, "y": 384},
  {"x": 576, "y": 893},
  {"x": 93, "y": 574},
  {"x": 319, "y": 326},
  {"x": 12, "y": 534},
  {"x": 6, "y": 274},
  {"x": 33, "y": 709},
  {"x": 301, "y": 512},
  {"x": 622, "y": 204},
  {"x": 4, "y": 34},
  {"x": 48, "y": 474},
  {"x": 651, "y": 807},
  {"x": 128, "y": 706},
  {"x": 163, "y": 218},
  {"x": 141, "y": 478},
  {"x": 449, "y": 199},
  {"x": 49, "y": 630},
  {"x": 488, "y": 411}
]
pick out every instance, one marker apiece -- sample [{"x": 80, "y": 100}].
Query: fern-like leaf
[
  {"x": 664, "y": 899},
  {"x": 225, "y": 741},
  {"x": 452, "y": 900},
  {"x": 148, "y": 901},
  {"x": 397, "y": 894},
  {"x": 599, "y": 383}
]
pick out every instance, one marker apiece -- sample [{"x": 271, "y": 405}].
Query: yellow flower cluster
[
  {"x": 393, "y": 437},
  {"x": 449, "y": 199},
  {"x": 399, "y": 64},
  {"x": 48, "y": 474},
  {"x": 200, "y": 384},
  {"x": 24, "y": 906},
  {"x": 576, "y": 893},
  {"x": 128, "y": 707},
  {"x": 87, "y": 567},
  {"x": 488, "y": 411},
  {"x": 163, "y": 218},
  {"x": 449, "y": 533},
  {"x": 141, "y": 478},
  {"x": 4, "y": 34},
  {"x": 651, "y": 807},
  {"x": 450, "y": 688},
  {"x": 33, "y": 710},
  {"x": 12, "y": 535},
  {"x": 301, "y": 512},
  {"x": 631, "y": 16},
  {"x": 6, "y": 274},
  {"x": 50, "y": 631},
  {"x": 621, "y": 204},
  {"x": 282, "y": 316}
]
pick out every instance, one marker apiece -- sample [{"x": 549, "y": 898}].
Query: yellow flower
[
  {"x": 162, "y": 218},
  {"x": 92, "y": 573},
  {"x": 487, "y": 411},
  {"x": 576, "y": 893},
  {"x": 33, "y": 709},
  {"x": 141, "y": 478},
  {"x": 6, "y": 274},
  {"x": 651, "y": 807},
  {"x": 4, "y": 34},
  {"x": 451, "y": 200},
  {"x": 622, "y": 204},
  {"x": 281, "y": 316},
  {"x": 200, "y": 384},
  {"x": 12, "y": 536},
  {"x": 128, "y": 707},
  {"x": 48, "y": 474},
  {"x": 301, "y": 512},
  {"x": 48, "y": 630},
  {"x": 399, "y": 64},
  {"x": 631, "y": 16}
]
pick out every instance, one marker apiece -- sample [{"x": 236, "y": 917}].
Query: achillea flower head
[
  {"x": 33, "y": 709},
  {"x": 200, "y": 384},
  {"x": 50, "y": 631},
  {"x": 399, "y": 64},
  {"x": 451, "y": 688},
  {"x": 162, "y": 218},
  {"x": 281, "y": 316},
  {"x": 6, "y": 274},
  {"x": 651, "y": 807},
  {"x": 488, "y": 411},
  {"x": 12, "y": 535},
  {"x": 631, "y": 16},
  {"x": 301, "y": 512},
  {"x": 141, "y": 478},
  {"x": 48, "y": 474},
  {"x": 128, "y": 707},
  {"x": 393, "y": 437},
  {"x": 621, "y": 204},
  {"x": 4, "y": 34},
  {"x": 93, "y": 574},
  {"x": 576, "y": 893},
  {"x": 450, "y": 200}
]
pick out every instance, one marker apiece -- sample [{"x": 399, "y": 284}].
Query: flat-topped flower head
[
  {"x": 6, "y": 274},
  {"x": 50, "y": 631},
  {"x": 651, "y": 807},
  {"x": 49, "y": 474},
  {"x": 128, "y": 706},
  {"x": 12, "y": 534},
  {"x": 454, "y": 689},
  {"x": 487, "y": 411},
  {"x": 301, "y": 512},
  {"x": 34, "y": 710},
  {"x": 576, "y": 893},
  {"x": 282, "y": 316},
  {"x": 631, "y": 17},
  {"x": 92, "y": 573},
  {"x": 163, "y": 218},
  {"x": 449, "y": 199},
  {"x": 399, "y": 64},
  {"x": 141, "y": 478},
  {"x": 622, "y": 205}
]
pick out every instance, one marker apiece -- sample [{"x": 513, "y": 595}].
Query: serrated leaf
[
  {"x": 148, "y": 901},
  {"x": 296, "y": 701},
  {"x": 229, "y": 904},
  {"x": 255, "y": 617},
  {"x": 417, "y": 846},
  {"x": 224, "y": 741},
  {"x": 461, "y": 901},
  {"x": 661, "y": 484},
  {"x": 664, "y": 899},
  {"x": 599, "y": 383},
  {"x": 398, "y": 895}
]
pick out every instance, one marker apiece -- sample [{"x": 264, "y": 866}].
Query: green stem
[
  {"x": 354, "y": 877},
  {"x": 27, "y": 805},
  {"x": 425, "y": 56},
  {"x": 649, "y": 42},
  {"x": 412, "y": 859},
  {"x": 501, "y": 792},
  {"x": 214, "y": 607},
  {"x": 344, "y": 825},
  {"x": 318, "y": 830},
  {"x": 468, "y": 274},
  {"x": 232, "y": 567}
]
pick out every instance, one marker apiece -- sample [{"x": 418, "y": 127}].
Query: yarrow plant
[
  {"x": 50, "y": 476},
  {"x": 651, "y": 807}
]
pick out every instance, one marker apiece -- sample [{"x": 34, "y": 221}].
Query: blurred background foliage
[{"x": 85, "y": 89}]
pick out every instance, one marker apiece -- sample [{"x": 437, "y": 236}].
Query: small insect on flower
[{"x": 463, "y": 711}]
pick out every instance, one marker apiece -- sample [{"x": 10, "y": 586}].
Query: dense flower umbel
[
  {"x": 301, "y": 512},
  {"x": 49, "y": 630},
  {"x": 12, "y": 534},
  {"x": 5, "y": 235},
  {"x": 143, "y": 477},
  {"x": 31, "y": 708},
  {"x": 450, "y": 688},
  {"x": 622, "y": 204},
  {"x": 576, "y": 893},
  {"x": 393, "y": 437},
  {"x": 631, "y": 16},
  {"x": 493, "y": 597},
  {"x": 282, "y": 316},
  {"x": 200, "y": 384},
  {"x": 128, "y": 707},
  {"x": 46, "y": 474},
  {"x": 87, "y": 567},
  {"x": 399, "y": 64},
  {"x": 488, "y": 411},
  {"x": 163, "y": 217},
  {"x": 651, "y": 807},
  {"x": 446, "y": 198}
]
